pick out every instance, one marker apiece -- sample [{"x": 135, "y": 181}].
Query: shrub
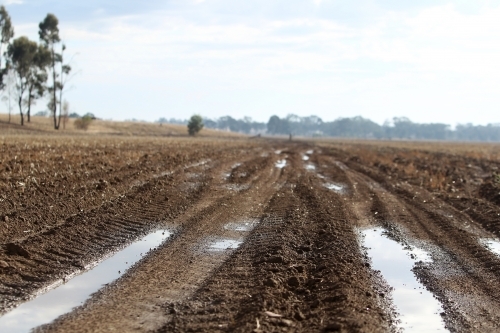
[
  {"x": 195, "y": 124},
  {"x": 83, "y": 123}
]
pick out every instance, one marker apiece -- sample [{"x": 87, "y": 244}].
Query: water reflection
[
  {"x": 246, "y": 225},
  {"x": 224, "y": 244},
  {"x": 310, "y": 167},
  {"x": 334, "y": 187},
  {"x": 47, "y": 307},
  {"x": 418, "y": 310},
  {"x": 280, "y": 164},
  {"x": 493, "y": 245}
]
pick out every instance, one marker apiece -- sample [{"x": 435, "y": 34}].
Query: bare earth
[{"x": 68, "y": 201}]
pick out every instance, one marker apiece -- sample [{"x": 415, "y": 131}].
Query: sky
[{"x": 430, "y": 61}]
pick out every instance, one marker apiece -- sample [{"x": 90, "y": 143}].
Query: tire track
[
  {"x": 135, "y": 298},
  {"x": 103, "y": 232},
  {"x": 462, "y": 266},
  {"x": 298, "y": 263}
]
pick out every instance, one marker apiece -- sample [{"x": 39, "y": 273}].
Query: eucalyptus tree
[
  {"x": 49, "y": 35},
  {"x": 195, "y": 124},
  {"x": 22, "y": 53},
  {"x": 6, "y": 34},
  {"x": 37, "y": 77},
  {"x": 64, "y": 71}
]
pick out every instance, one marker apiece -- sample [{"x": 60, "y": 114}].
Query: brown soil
[{"x": 65, "y": 202}]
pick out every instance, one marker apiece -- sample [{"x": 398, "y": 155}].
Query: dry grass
[{"x": 44, "y": 125}]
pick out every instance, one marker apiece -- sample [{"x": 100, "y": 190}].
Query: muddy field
[{"x": 247, "y": 235}]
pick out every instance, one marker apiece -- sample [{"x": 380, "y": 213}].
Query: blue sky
[{"x": 430, "y": 61}]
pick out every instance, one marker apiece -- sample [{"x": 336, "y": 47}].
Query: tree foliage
[
  {"x": 7, "y": 33},
  {"x": 22, "y": 53},
  {"x": 49, "y": 36},
  {"x": 195, "y": 125},
  {"x": 278, "y": 126},
  {"x": 83, "y": 123},
  {"x": 398, "y": 129},
  {"x": 228, "y": 123},
  {"x": 28, "y": 61}
]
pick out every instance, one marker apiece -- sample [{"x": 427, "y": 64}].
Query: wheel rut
[
  {"x": 461, "y": 265},
  {"x": 175, "y": 271}
]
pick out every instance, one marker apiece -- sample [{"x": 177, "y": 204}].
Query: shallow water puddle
[
  {"x": 334, "y": 187},
  {"x": 492, "y": 244},
  {"x": 242, "y": 226},
  {"x": 305, "y": 158},
  {"x": 62, "y": 299},
  {"x": 224, "y": 244},
  {"x": 280, "y": 164},
  {"x": 310, "y": 167},
  {"x": 309, "y": 152},
  {"x": 203, "y": 162},
  {"x": 418, "y": 310}
]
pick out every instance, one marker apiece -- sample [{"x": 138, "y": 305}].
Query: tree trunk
[
  {"x": 54, "y": 104},
  {"x": 28, "y": 112},
  {"x": 10, "y": 100},
  {"x": 21, "y": 109},
  {"x": 61, "y": 90},
  {"x": 1, "y": 44}
]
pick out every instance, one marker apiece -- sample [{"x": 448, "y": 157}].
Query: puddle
[
  {"x": 334, "y": 187},
  {"x": 310, "y": 167},
  {"x": 493, "y": 245},
  {"x": 62, "y": 299},
  {"x": 280, "y": 164},
  {"x": 418, "y": 310},
  {"x": 224, "y": 244},
  {"x": 341, "y": 165},
  {"x": 201, "y": 163},
  {"x": 242, "y": 226},
  {"x": 309, "y": 152},
  {"x": 305, "y": 158}
]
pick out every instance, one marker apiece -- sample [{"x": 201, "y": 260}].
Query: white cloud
[
  {"x": 13, "y": 2},
  {"x": 432, "y": 64}
]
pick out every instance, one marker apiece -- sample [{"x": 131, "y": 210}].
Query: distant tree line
[
  {"x": 172, "y": 121},
  {"x": 356, "y": 127},
  {"x": 226, "y": 123},
  {"x": 398, "y": 128},
  {"x": 33, "y": 70}
]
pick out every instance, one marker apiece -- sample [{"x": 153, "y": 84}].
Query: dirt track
[{"x": 64, "y": 205}]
